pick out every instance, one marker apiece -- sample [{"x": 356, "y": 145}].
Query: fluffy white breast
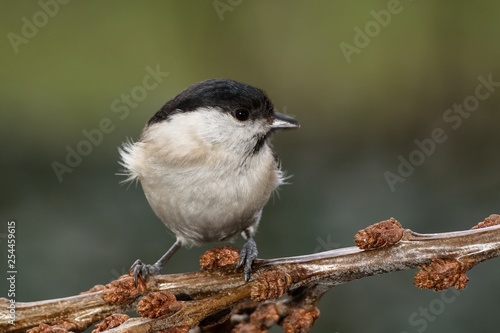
[{"x": 200, "y": 175}]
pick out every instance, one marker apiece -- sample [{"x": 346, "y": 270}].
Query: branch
[{"x": 209, "y": 297}]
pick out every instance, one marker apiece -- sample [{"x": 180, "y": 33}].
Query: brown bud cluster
[
  {"x": 379, "y": 235},
  {"x": 491, "y": 220},
  {"x": 263, "y": 317},
  {"x": 110, "y": 322},
  {"x": 158, "y": 304},
  {"x": 219, "y": 258},
  {"x": 441, "y": 274},
  {"x": 300, "y": 320},
  {"x": 271, "y": 285},
  {"x": 123, "y": 290}
]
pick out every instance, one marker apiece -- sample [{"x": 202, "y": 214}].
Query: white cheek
[
  {"x": 207, "y": 129},
  {"x": 222, "y": 128}
]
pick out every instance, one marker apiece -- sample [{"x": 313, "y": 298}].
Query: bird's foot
[
  {"x": 247, "y": 255},
  {"x": 139, "y": 268}
]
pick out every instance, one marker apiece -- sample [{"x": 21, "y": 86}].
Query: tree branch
[{"x": 207, "y": 297}]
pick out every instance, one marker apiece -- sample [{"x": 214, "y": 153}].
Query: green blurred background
[{"x": 359, "y": 114}]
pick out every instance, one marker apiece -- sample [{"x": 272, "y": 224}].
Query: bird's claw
[
  {"x": 247, "y": 255},
  {"x": 144, "y": 270}
]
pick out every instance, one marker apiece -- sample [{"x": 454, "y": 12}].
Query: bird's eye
[{"x": 242, "y": 114}]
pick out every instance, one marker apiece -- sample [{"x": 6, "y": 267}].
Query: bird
[{"x": 207, "y": 166}]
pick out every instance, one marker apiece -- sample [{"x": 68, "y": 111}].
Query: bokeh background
[{"x": 77, "y": 62}]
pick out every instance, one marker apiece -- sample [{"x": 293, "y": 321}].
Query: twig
[{"x": 443, "y": 258}]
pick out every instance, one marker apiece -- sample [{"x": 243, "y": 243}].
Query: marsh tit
[{"x": 207, "y": 167}]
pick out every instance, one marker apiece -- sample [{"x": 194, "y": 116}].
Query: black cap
[{"x": 225, "y": 94}]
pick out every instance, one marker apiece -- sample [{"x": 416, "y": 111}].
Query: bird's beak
[{"x": 283, "y": 121}]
